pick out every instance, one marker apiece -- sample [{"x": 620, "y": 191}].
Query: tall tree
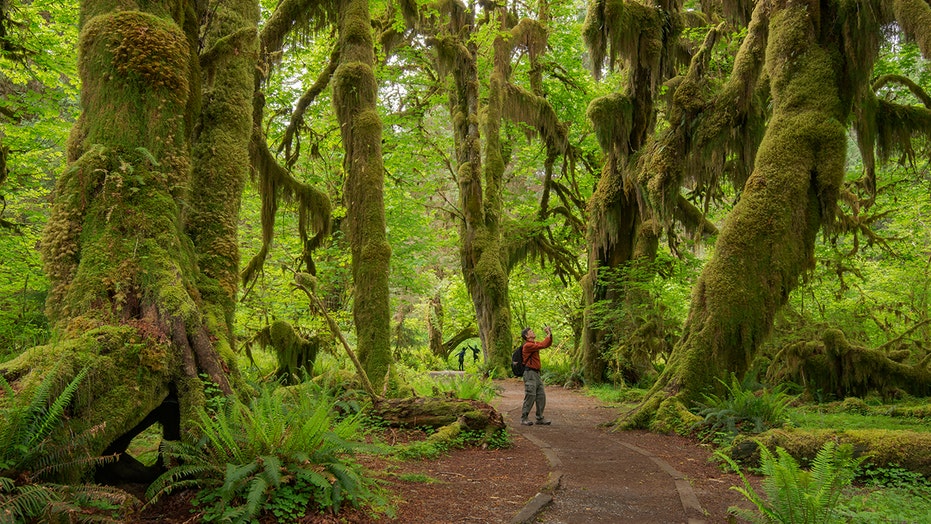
[
  {"x": 128, "y": 299},
  {"x": 354, "y": 97},
  {"x": 645, "y": 41},
  {"x": 811, "y": 63},
  {"x": 489, "y": 247}
]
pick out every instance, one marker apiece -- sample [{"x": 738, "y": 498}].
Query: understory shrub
[
  {"x": 793, "y": 495},
  {"x": 283, "y": 453},
  {"x": 742, "y": 410}
]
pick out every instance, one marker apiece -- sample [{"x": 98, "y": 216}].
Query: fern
[
  {"x": 29, "y": 453},
  {"x": 742, "y": 410},
  {"x": 794, "y": 495},
  {"x": 268, "y": 454}
]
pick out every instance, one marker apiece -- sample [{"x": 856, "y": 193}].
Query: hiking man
[
  {"x": 462, "y": 358},
  {"x": 533, "y": 385}
]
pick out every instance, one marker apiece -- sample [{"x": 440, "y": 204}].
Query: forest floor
[{"x": 572, "y": 471}]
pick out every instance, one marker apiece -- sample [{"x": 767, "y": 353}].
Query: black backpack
[{"x": 517, "y": 361}]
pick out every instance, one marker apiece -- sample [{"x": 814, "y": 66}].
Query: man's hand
[{"x": 548, "y": 330}]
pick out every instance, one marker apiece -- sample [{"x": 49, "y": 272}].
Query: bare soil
[{"x": 493, "y": 485}]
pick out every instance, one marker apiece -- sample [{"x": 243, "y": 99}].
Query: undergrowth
[
  {"x": 34, "y": 464},
  {"x": 742, "y": 410},
  {"x": 284, "y": 453}
]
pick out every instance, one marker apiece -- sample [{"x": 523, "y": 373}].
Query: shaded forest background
[
  {"x": 204, "y": 200},
  {"x": 870, "y": 282}
]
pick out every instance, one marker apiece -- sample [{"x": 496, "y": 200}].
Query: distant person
[
  {"x": 533, "y": 384},
  {"x": 462, "y": 359},
  {"x": 475, "y": 354}
]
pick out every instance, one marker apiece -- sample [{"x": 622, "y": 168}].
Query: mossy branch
[
  {"x": 226, "y": 45},
  {"x": 275, "y": 183},
  {"x": 297, "y": 117},
  {"x": 914, "y": 17},
  {"x": 916, "y": 89},
  {"x": 305, "y": 283}
]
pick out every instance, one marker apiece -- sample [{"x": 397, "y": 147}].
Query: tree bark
[
  {"x": 127, "y": 298},
  {"x": 768, "y": 239},
  {"x": 354, "y": 97}
]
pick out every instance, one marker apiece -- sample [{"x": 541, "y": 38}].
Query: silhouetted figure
[
  {"x": 462, "y": 358},
  {"x": 475, "y": 354}
]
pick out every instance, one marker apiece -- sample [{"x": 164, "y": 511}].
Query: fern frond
[
  {"x": 183, "y": 476},
  {"x": 235, "y": 477},
  {"x": 271, "y": 470},
  {"x": 27, "y": 502},
  {"x": 7, "y": 388},
  {"x": 255, "y": 500},
  {"x": 51, "y": 418}
]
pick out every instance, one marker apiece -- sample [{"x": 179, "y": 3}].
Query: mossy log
[
  {"x": 883, "y": 448},
  {"x": 431, "y": 412},
  {"x": 834, "y": 365}
]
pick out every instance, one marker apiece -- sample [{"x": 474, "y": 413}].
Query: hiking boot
[
  {"x": 525, "y": 422},
  {"x": 544, "y": 422}
]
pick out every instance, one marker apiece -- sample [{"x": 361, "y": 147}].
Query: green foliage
[
  {"x": 742, "y": 410},
  {"x": 283, "y": 453},
  {"x": 560, "y": 368},
  {"x": 890, "y": 494},
  {"x": 431, "y": 449},
  {"x": 614, "y": 395},
  {"x": 465, "y": 386},
  {"x": 795, "y": 495},
  {"x": 32, "y": 459}
]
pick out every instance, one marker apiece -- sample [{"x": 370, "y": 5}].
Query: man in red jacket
[{"x": 533, "y": 385}]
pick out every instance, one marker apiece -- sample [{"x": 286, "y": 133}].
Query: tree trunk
[
  {"x": 435, "y": 326},
  {"x": 354, "y": 97},
  {"x": 221, "y": 164},
  {"x": 768, "y": 239},
  {"x": 127, "y": 300}
]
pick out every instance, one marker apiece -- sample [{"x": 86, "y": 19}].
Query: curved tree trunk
[
  {"x": 768, "y": 239},
  {"x": 354, "y": 92},
  {"x": 127, "y": 300}
]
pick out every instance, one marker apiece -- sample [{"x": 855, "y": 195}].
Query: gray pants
[{"x": 533, "y": 393}]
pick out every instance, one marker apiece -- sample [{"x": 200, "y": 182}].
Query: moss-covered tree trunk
[
  {"x": 623, "y": 122},
  {"x": 221, "y": 164},
  {"x": 768, "y": 239},
  {"x": 480, "y": 252},
  {"x": 483, "y": 263},
  {"x": 127, "y": 298},
  {"x": 354, "y": 97}
]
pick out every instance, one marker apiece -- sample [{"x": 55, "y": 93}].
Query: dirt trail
[{"x": 599, "y": 477}]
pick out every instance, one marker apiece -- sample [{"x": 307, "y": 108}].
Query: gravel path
[{"x": 597, "y": 476}]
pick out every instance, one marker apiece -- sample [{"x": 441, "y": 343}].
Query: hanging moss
[
  {"x": 834, "y": 366},
  {"x": 612, "y": 118}
]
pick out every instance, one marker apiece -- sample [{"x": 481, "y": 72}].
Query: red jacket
[{"x": 531, "y": 352}]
